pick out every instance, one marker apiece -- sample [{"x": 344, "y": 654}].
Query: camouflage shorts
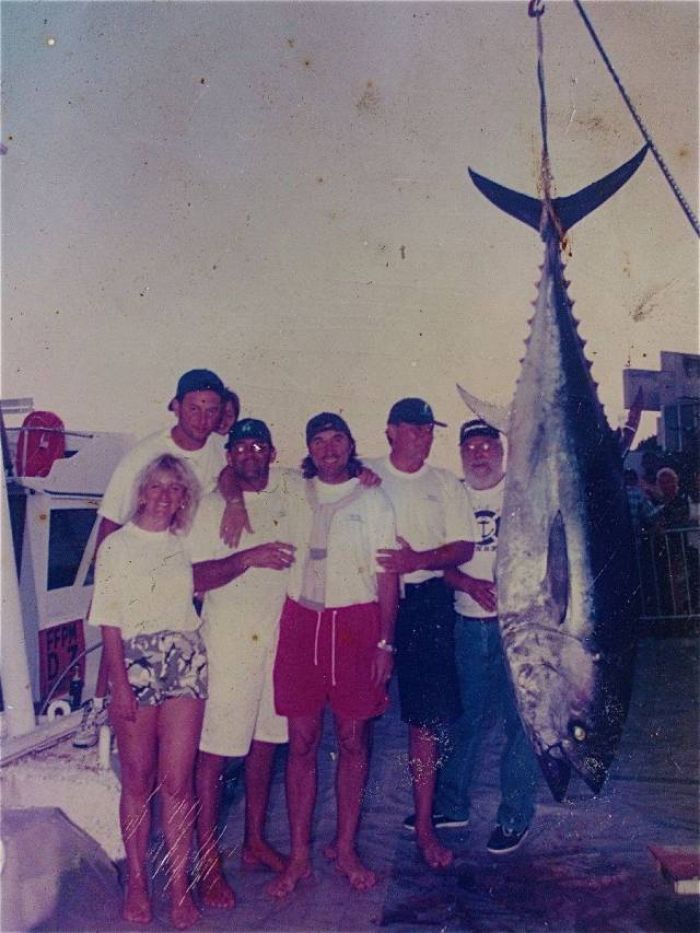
[{"x": 165, "y": 665}]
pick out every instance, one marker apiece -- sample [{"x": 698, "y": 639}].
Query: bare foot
[
  {"x": 214, "y": 890},
  {"x": 137, "y": 904},
  {"x": 262, "y": 855},
  {"x": 183, "y": 912},
  {"x": 434, "y": 854},
  {"x": 360, "y": 877},
  {"x": 295, "y": 871}
]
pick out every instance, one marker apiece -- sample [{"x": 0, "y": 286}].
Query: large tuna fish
[{"x": 565, "y": 566}]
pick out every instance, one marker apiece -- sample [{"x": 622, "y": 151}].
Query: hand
[
  {"x": 382, "y": 666},
  {"x": 483, "y": 592},
  {"x": 369, "y": 478},
  {"x": 275, "y": 555},
  {"x": 123, "y": 705},
  {"x": 234, "y": 522},
  {"x": 403, "y": 560}
]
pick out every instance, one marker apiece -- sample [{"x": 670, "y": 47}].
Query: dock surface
[{"x": 585, "y": 866}]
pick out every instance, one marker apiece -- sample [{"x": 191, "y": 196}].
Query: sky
[{"x": 279, "y": 192}]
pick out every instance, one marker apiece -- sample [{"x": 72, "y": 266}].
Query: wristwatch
[{"x": 384, "y": 645}]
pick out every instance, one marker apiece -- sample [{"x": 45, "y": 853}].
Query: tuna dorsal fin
[
  {"x": 570, "y": 209},
  {"x": 498, "y": 416},
  {"x": 558, "y": 567}
]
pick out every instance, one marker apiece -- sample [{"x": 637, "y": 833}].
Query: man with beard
[
  {"x": 483, "y": 678},
  {"x": 335, "y": 645},
  {"x": 435, "y": 532},
  {"x": 244, "y": 592}
]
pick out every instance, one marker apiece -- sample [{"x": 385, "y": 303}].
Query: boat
[{"x": 55, "y": 478}]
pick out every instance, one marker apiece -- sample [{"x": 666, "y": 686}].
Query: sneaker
[
  {"x": 440, "y": 821},
  {"x": 502, "y": 841},
  {"x": 88, "y": 733}
]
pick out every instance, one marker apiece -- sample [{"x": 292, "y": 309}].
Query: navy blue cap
[
  {"x": 249, "y": 429},
  {"x": 477, "y": 426},
  {"x": 413, "y": 411},
  {"x": 326, "y": 421},
  {"x": 199, "y": 380}
]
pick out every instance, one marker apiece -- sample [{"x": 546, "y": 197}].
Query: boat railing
[{"x": 668, "y": 567}]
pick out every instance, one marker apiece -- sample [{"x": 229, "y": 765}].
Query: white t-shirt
[
  {"x": 431, "y": 509},
  {"x": 357, "y": 531},
  {"x": 207, "y": 463},
  {"x": 143, "y": 583},
  {"x": 256, "y": 596},
  {"x": 486, "y": 505}
]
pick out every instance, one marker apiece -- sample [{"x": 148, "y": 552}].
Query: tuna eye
[{"x": 578, "y": 731}]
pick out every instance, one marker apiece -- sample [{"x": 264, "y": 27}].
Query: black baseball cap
[
  {"x": 199, "y": 380},
  {"x": 249, "y": 429},
  {"x": 326, "y": 421},
  {"x": 412, "y": 411},
  {"x": 477, "y": 426}
]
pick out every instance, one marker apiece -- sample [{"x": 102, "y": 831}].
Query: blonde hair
[{"x": 182, "y": 519}]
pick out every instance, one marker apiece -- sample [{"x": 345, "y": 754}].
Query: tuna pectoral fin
[
  {"x": 557, "y": 773},
  {"x": 558, "y": 568}
]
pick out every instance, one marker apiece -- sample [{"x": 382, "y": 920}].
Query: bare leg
[
  {"x": 179, "y": 728},
  {"x": 304, "y": 738},
  {"x": 351, "y": 776},
  {"x": 137, "y": 754},
  {"x": 214, "y": 890},
  {"x": 258, "y": 776},
  {"x": 422, "y": 754}
]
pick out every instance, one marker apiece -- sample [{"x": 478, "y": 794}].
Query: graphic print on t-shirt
[{"x": 488, "y": 523}]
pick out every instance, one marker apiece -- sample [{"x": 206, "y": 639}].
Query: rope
[
  {"x": 645, "y": 133},
  {"x": 536, "y": 10}
]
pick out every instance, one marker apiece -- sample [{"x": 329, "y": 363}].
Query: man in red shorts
[{"x": 335, "y": 642}]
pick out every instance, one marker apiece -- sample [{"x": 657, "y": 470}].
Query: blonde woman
[{"x": 158, "y": 676}]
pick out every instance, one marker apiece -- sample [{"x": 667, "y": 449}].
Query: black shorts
[{"x": 425, "y": 655}]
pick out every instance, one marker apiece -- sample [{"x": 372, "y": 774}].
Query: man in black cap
[
  {"x": 483, "y": 678},
  {"x": 335, "y": 643},
  {"x": 435, "y": 532},
  {"x": 244, "y": 592},
  {"x": 197, "y": 407}
]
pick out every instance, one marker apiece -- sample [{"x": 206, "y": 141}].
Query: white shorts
[{"x": 240, "y": 706}]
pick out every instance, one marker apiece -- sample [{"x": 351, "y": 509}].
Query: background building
[{"x": 673, "y": 391}]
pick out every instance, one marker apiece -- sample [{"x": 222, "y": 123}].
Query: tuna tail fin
[{"x": 570, "y": 209}]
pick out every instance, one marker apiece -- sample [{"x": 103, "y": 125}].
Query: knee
[
  {"x": 138, "y": 781},
  {"x": 177, "y": 785},
  {"x": 303, "y": 744},
  {"x": 353, "y": 741}
]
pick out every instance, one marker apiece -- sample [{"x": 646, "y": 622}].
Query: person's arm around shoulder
[{"x": 235, "y": 519}]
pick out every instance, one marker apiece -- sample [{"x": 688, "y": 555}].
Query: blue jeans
[{"x": 484, "y": 683}]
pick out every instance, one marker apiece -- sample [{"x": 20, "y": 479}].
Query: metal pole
[{"x": 14, "y": 669}]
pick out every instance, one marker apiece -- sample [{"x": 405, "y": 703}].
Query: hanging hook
[{"x": 535, "y": 8}]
